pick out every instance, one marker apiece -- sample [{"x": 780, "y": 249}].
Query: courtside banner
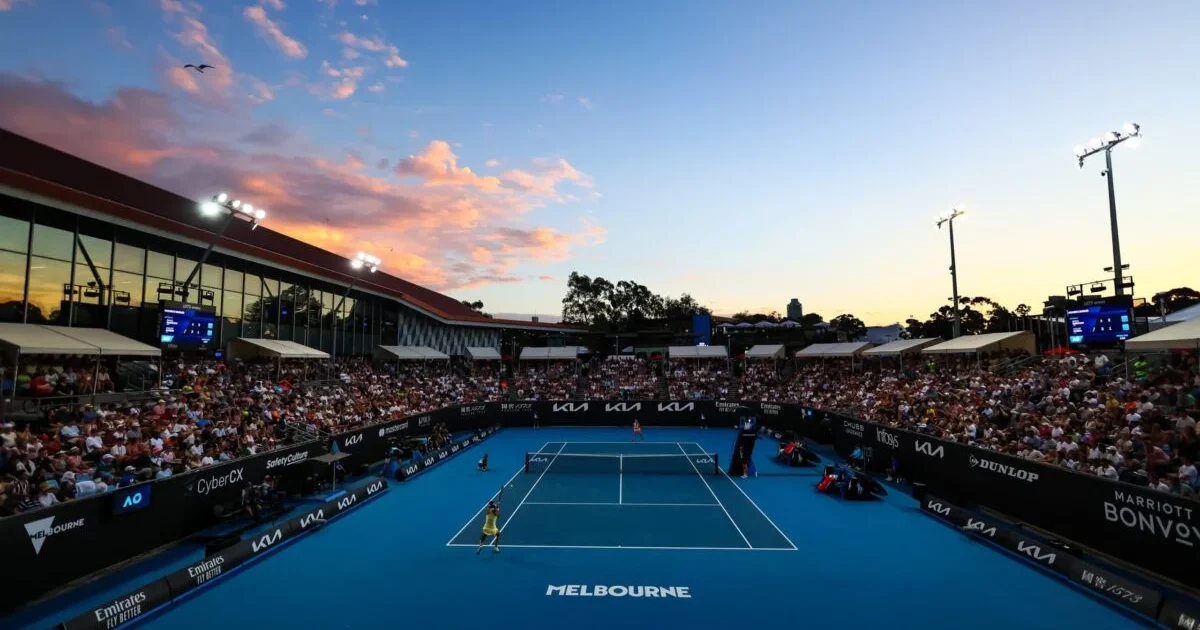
[
  {"x": 1150, "y": 529},
  {"x": 431, "y": 459},
  {"x": 1180, "y": 614},
  {"x": 123, "y": 610},
  {"x": 57, "y": 545},
  {"x": 204, "y": 571},
  {"x": 1117, "y": 589}
]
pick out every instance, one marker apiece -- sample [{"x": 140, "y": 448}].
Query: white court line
[
  {"x": 760, "y": 510},
  {"x": 535, "y": 483},
  {"x": 480, "y": 510},
  {"x": 625, "y": 504},
  {"x": 633, "y": 547},
  {"x": 714, "y": 494}
]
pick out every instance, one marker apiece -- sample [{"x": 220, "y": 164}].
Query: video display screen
[
  {"x": 1099, "y": 325},
  {"x": 187, "y": 328}
]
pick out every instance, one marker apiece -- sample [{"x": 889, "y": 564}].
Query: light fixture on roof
[{"x": 1131, "y": 132}]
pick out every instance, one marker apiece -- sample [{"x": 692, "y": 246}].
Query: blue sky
[{"x": 744, "y": 152}]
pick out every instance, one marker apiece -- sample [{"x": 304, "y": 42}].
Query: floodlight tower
[{"x": 1105, "y": 144}]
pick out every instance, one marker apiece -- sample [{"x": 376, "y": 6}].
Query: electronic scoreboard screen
[
  {"x": 187, "y": 328},
  {"x": 1099, "y": 324}
]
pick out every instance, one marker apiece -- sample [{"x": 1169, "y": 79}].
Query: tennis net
[{"x": 681, "y": 464}]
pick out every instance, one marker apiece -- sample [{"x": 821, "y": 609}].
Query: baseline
[
  {"x": 626, "y": 503},
  {"x": 760, "y": 549}
]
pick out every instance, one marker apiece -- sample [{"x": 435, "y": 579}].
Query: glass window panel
[
  {"x": 12, "y": 287},
  {"x": 183, "y": 267},
  {"x": 253, "y": 309},
  {"x": 232, "y": 307},
  {"x": 251, "y": 330},
  {"x": 99, "y": 249},
  {"x": 53, "y": 242},
  {"x": 160, "y": 265},
  {"x": 126, "y": 289},
  {"x": 14, "y": 234},
  {"x": 270, "y": 287},
  {"x": 253, "y": 285},
  {"x": 129, "y": 258},
  {"x": 46, "y": 280},
  {"x": 233, "y": 280},
  {"x": 315, "y": 309},
  {"x": 230, "y": 329},
  {"x": 210, "y": 276}
]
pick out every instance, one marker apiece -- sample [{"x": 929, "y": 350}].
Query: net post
[
  {"x": 621, "y": 463},
  {"x": 526, "y": 461},
  {"x": 716, "y": 464}
]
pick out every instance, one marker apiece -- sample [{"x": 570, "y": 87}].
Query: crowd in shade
[{"x": 1071, "y": 411}]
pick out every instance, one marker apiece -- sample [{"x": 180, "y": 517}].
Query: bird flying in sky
[{"x": 200, "y": 68}]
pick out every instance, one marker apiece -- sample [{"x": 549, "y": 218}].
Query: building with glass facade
[{"x": 81, "y": 245}]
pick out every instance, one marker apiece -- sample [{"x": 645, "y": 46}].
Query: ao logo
[{"x": 132, "y": 500}]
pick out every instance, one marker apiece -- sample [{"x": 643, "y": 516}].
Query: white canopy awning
[
  {"x": 817, "y": 350},
  {"x": 1184, "y": 335},
  {"x": 558, "y": 353},
  {"x": 414, "y": 353},
  {"x": 276, "y": 348},
  {"x": 697, "y": 352},
  {"x": 483, "y": 354},
  {"x": 38, "y": 339},
  {"x": 903, "y": 346},
  {"x": 988, "y": 342},
  {"x": 765, "y": 351}
]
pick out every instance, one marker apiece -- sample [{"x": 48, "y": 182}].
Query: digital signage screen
[
  {"x": 1099, "y": 325},
  {"x": 187, "y": 328}
]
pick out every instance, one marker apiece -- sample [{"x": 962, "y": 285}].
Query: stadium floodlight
[
  {"x": 232, "y": 209},
  {"x": 1131, "y": 132},
  {"x": 957, "y": 212},
  {"x": 360, "y": 261}
]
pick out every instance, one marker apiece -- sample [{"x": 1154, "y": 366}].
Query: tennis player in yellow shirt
[{"x": 491, "y": 515}]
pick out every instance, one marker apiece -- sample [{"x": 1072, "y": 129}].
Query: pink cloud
[
  {"x": 276, "y": 5},
  {"x": 389, "y": 53},
  {"x": 270, "y": 30},
  {"x": 545, "y": 178},
  {"x": 492, "y": 163},
  {"x": 437, "y": 165},
  {"x": 450, "y": 229},
  {"x": 546, "y": 278}
]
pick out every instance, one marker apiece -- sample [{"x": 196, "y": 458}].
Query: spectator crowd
[{"x": 1069, "y": 411}]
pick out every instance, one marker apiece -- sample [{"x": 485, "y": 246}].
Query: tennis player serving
[{"x": 491, "y": 514}]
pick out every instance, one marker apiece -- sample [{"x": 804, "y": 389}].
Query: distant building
[{"x": 795, "y": 310}]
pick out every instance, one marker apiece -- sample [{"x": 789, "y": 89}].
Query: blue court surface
[{"x": 602, "y": 532}]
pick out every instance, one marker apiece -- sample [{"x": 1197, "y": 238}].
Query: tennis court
[
  {"x": 627, "y": 495},
  {"x": 860, "y": 564}
]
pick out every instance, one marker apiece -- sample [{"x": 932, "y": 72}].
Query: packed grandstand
[{"x": 1067, "y": 411}]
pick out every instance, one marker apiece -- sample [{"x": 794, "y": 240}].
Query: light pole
[
  {"x": 232, "y": 209},
  {"x": 955, "y": 212},
  {"x": 1131, "y": 131},
  {"x": 360, "y": 261}
]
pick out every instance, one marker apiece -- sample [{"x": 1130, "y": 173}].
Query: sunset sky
[{"x": 744, "y": 152}]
